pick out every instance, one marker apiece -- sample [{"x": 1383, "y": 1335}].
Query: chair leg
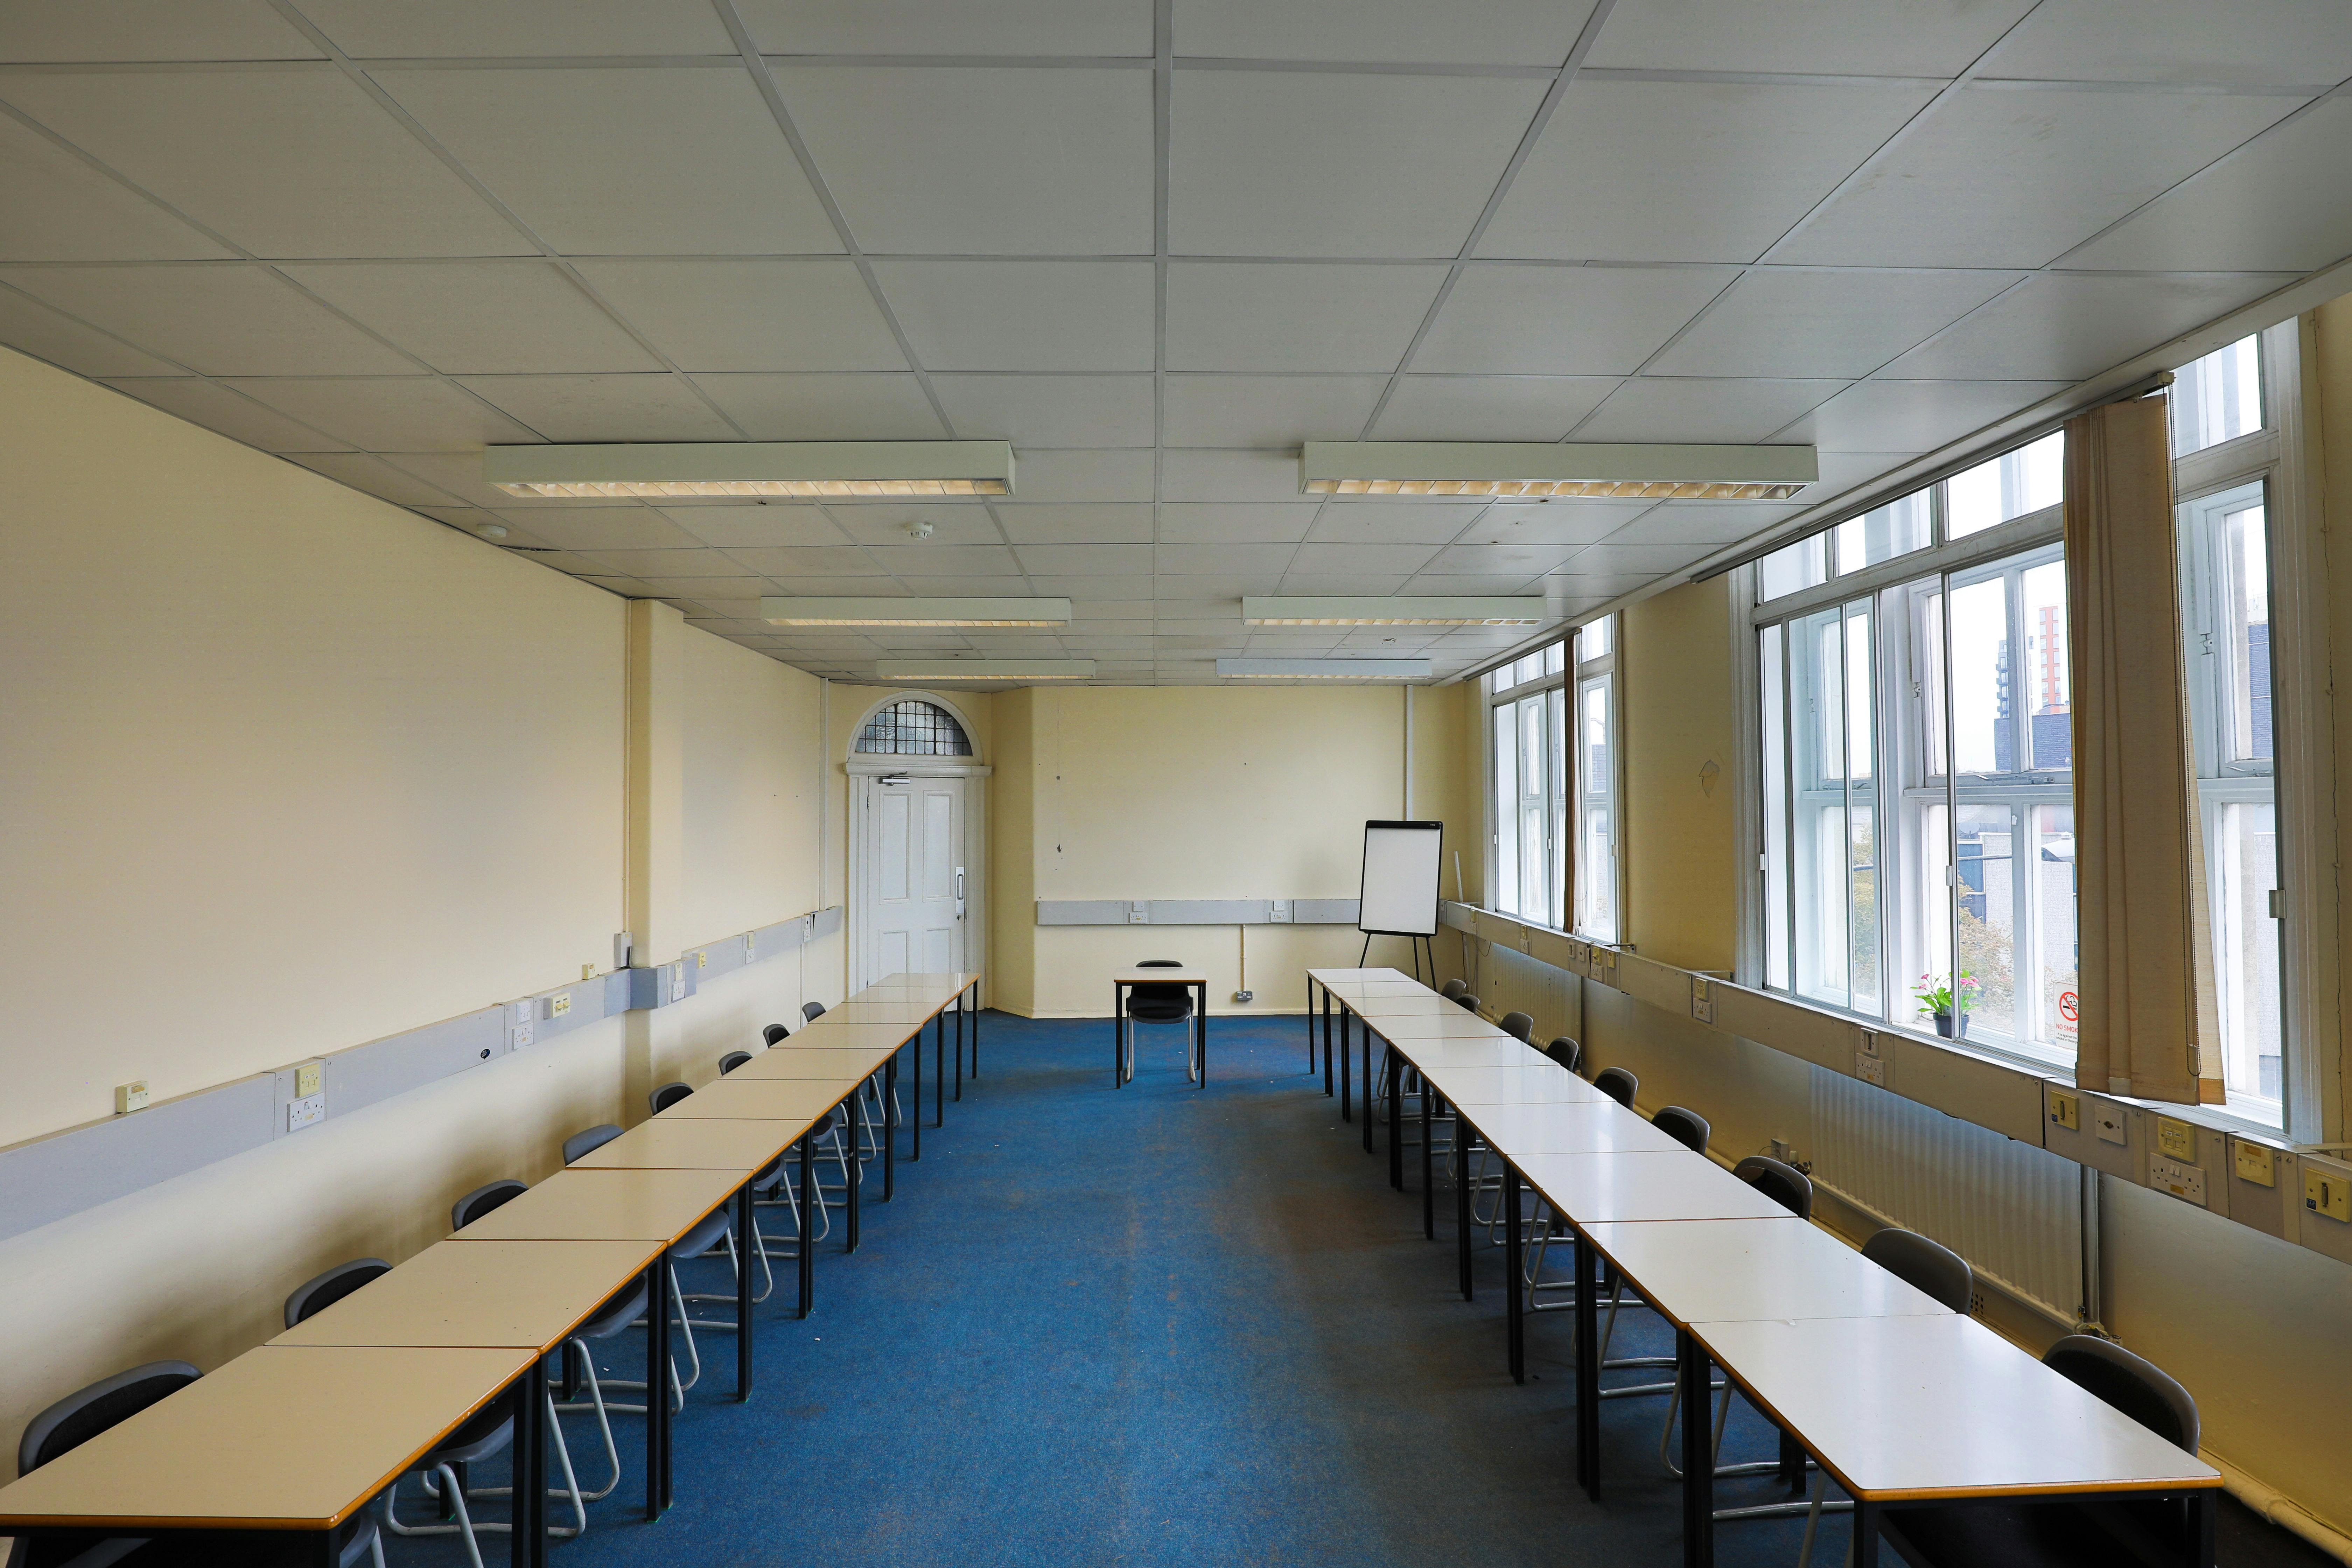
[{"x": 595, "y": 1403}]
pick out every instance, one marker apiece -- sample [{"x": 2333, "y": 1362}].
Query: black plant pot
[{"x": 1951, "y": 1028}]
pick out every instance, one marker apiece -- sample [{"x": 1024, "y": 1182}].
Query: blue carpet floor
[{"x": 1155, "y": 1325}]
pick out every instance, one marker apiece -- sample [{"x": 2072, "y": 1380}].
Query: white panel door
[{"x": 914, "y": 854}]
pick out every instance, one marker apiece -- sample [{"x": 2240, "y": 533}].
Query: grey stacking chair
[
  {"x": 317, "y": 1294},
  {"x": 1928, "y": 1267},
  {"x": 732, "y": 1060},
  {"x": 583, "y": 1143},
  {"x": 1688, "y": 1128},
  {"x": 715, "y": 1231},
  {"x": 1546, "y": 1226},
  {"x": 1161, "y": 1005},
  {"x": 623, "y": 1311},
  {"x": 1793, "y": 1190},
  {"x": 774, "y": 1032},
  {"x": 812, "y": 1011},
  {"x": 1566, "y": 1052},
  {"x": 1467, "y": 1001},
  {"x": 1618, "y": 1084},
  {"x": 667, "y": 1095},
  {"x": 1520, "y": 1026},
  {"x": 1454, "y": 988},
  {"x": 107, "y": 1402}
]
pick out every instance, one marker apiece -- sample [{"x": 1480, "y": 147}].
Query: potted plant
[{"x": 1947, "y": 1002}]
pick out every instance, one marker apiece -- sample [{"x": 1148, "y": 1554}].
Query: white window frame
[{"x": 1605, "y": 792}]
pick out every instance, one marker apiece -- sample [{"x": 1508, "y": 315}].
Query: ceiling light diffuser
[
  {"x": 1394, "y": 611},
  {"x": 1016, "y": 670},
  {"x": 816, "y": 610},
  {"x": 1324, "y": 668},
  {"x": 1544, "y": 469},
  {"x": 815, "y": 470}
]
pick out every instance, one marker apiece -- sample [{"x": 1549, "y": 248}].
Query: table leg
[
  {"x": 1694, "y": 1371},
  {"x": 1365, "y": 1032},
  {"x": 1201, "y": 1024},
  {"x": 856, "y": 1166},
  {"x": 747, "y": 1242},
  {"x": 1515, "y": 1314},
  {"x": 975, "y": 1027},
  {"x": 940, "y": 1071},
  {"x": 530, "y": 1443},
  {"x": 1463, "y": 1137},
  {"x": 1310, "y": 1028},
  {"x": 890, "y": 1126},
  {"x": 1588, "y": 1371},
  {"x": 810, "y": 1198},
  {"x": 918, "y": 1117},
  {"x": 2204, "y": 1505},
  {"x": 658, "y": 1310},
  {"x": 1327, "y": 1053},
  {"x": 1392, "y": 1078},
  {"x": 1428, "y": 1168},
  {"x": 958, "y": 1048},
  {"x": 1347, "y": 1111},
  {"x": 1864, "y": 1553}
]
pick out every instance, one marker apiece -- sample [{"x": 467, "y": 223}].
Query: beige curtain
[{"x": 2148, "y": 1027}]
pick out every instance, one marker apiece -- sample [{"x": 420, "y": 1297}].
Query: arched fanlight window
[{"x": 914, "y": 728}]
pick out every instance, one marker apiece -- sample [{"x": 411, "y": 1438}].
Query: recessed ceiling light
[
  {"x": 1013, "y": 670},
  {"x": 1324, "y": 668},
  {"x": 1394, "y": 611},
  {"x": 820, "y": 470},
  {"x": 816, "y": 610},
  {"x": 1546, "y": 470}
]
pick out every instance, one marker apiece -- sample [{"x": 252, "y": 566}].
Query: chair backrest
[
  {"x": 1454, "y": 988},
  {"x": 482, "y": 1200},
  {"x": 1618, "y": 1084},
  {"x": 1467, "y": 1002},
  {"x": 1519, "y": 1026},
  {"x": 810, "y": 1013},
  {"x": 2133, "y": 1385},
  {"x": 83, "y": 1414},
  {"x": 1925, "y": 1266},
  {"x": 319, "y": 1294},
  {"x": 1685, "y": 1126},
  {"x": 732, "y": 1060},
  {"x": 1780, "y": 1180},
  {"x": 588, "y": 1143},
  {"x": 774, "y": 1032},
  {"x": 1566, "y": 1052},
  {"x": 667, "y": 1095},
  {"x": 1167, "y": 1000},
  {"x": 1160, "y": 963}
]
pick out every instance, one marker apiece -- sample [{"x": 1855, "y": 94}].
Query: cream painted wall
[
  {"x": 1680, "y": 830},
  {"x": 1013, "y": 855},
  {"x": 750, "y": 789}
]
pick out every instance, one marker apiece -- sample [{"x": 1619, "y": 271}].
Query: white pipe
[{"x": 2279, "y": 1508}]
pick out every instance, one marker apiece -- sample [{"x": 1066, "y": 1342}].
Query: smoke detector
[{"x": 920, "y": 530}]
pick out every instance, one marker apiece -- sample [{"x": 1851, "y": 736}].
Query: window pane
[
  {"x": 2246, "y": 949},
  {"x": 1557, "y": 721},
  {"x": 1534, "y": 892},
  {"x": 1819, "y": 852},
  {"x": 2216, "y": 398},
  {"x": 1507, "y": 810},
  {"x": 1932, "y": 910},
  {"x": 1897, "y": 528},
  {"x": 1982, "y": 734},
  {"x": 1930, "y": 664},
  {"x": 1554, "y": 659},
  {"x": 2009, "y": 486},
  {"x": 2049, "y": 712},
  {"x": 1596, "y": 862},
  {"x": 1787, "y": 570},
  {"x": 1592, "y": 640},
  {"x": 2249, "y": 612},
  {"x": 2056, "y": 956},
  {"x": 1862, "y": 824},
  {"x": 1775, "y": 762},
  {"x": 1988, "y": 917}
]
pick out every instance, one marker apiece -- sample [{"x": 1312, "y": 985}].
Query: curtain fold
[{"x": 2148, "y": 1024}]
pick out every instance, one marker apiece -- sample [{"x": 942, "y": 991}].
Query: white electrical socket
[
  {"x": 1869, "y": 1069},
  {"x": 558, "y": 1005},
  {"x": 130, "y": 1096},
  {"x": 1245, "y": 995},
  {"x": 301, "y": 1114},
  {"x": 2186, "y": 1183}
]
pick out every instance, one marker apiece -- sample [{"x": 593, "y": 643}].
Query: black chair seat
[{"x": 1160, "y": 1009}]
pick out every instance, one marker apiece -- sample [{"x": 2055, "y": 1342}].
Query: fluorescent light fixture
[
  {"x": 816, "y": 610},
  {"x": 1015, "y": 670},
  {"x": 815, "y": 470},
  {"x": 1544, "y": 468},
  {"x": 1323, "y": 668},
  {"x": 1394, "y": 611}
]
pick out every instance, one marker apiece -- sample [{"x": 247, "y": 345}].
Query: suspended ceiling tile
[
  {"x": 1115, "y": 476},
  {"x": 1345, "y": 585},
  {"x": 1050, "y": 410},
  {"x": 2284, "y": 200},
  {"x": 1116, "y": 523},
  {"x": 1023, "y": 315},
  {"x": 284, "y": 162},
  {"x": 217, "y": 407},
  {"x": 799, "y": 561},
  {"x": 978, "y": 27},
  {"x": 1403, "y": 522},
  {"x": 607, "y": 528},
  {"x": 2001, "y": 177},
  {"x": 30, "y": 326},
  {"x": 1233, "y": 523},
  {"x": 891, "y": 522},
  {"x": 1677, "y": 409},
  {"x": 1831, "y": 38},
  {"x": 389, "y": 414},
  {"x": 373, "y": 475},
  {"x": 1268, "y": 410},
  {"x": 781, "y": 315},
  {"x": 1332, "y": 559},
  {"x": 944, "y": 161},
  {"x": 1209, "y": 474},
  {"x": 2067, "y": 326},
  {"x": 1289, "y": 164},
  {"x": 1833, "y": 322},
  {"x": 1652, "y": 171},
  {"x": 1890, "y": 415},
  {"x": 1611, "y": 557},
  {"x": 874, "y": 587},
  {"x": 480, "y": 317},
  {"x": 1489, "y": 407},
  {"x": 956, "y": 586},
  {"x": 2276, "y": 41},
  {"x": 626, "y": 161},
  {"x": 1212, "y": 586},
  {"x": 838, "y": 407},
  {"x": 1397, "y": 32},
  {"x": 151, "y": 31},
  {"x": 1711, "y": 523},
  {"x": 1433, "y": 583},
  {"x": 656, "y": 565},
  {"x": 1497, "y": 560},
  {"x": 595, "y": 408},
  {"x": 931, "y": 559},
  {"x": 1553, "y": 522},
  {"x": 516, "y": 29},
  {"x": 56, "y": 207},
  {"x": 1083, "y": 560},
  {"x": 772, "y": 526},
  {"x": 1564, "y": 321},
  {"x": 220, "y": 321},
  {"x": 1311, "y": 317},
  {"x": 1593, "y": 586},
  {"x": 1103, "y": 589}
]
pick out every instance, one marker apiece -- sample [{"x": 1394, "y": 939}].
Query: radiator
[{"x": 2011, "y": 1210}]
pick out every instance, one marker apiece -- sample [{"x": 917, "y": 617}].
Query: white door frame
[{"x": 862, "y": 768}]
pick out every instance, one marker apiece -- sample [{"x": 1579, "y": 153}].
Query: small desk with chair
[{"x": 1159, "y": 991}]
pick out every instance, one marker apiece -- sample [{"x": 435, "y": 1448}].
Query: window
[
  {"x": 1550, "y": 728},
  {"x": 914, "y": 729},
  {"x": 2011, "y": 485},
  {"x": 2218, "y": 398}
]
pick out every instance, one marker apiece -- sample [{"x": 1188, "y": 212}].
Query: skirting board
[
  {"x": 48, "y": 1178},
  {"x": 1196, "y": 912}
]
